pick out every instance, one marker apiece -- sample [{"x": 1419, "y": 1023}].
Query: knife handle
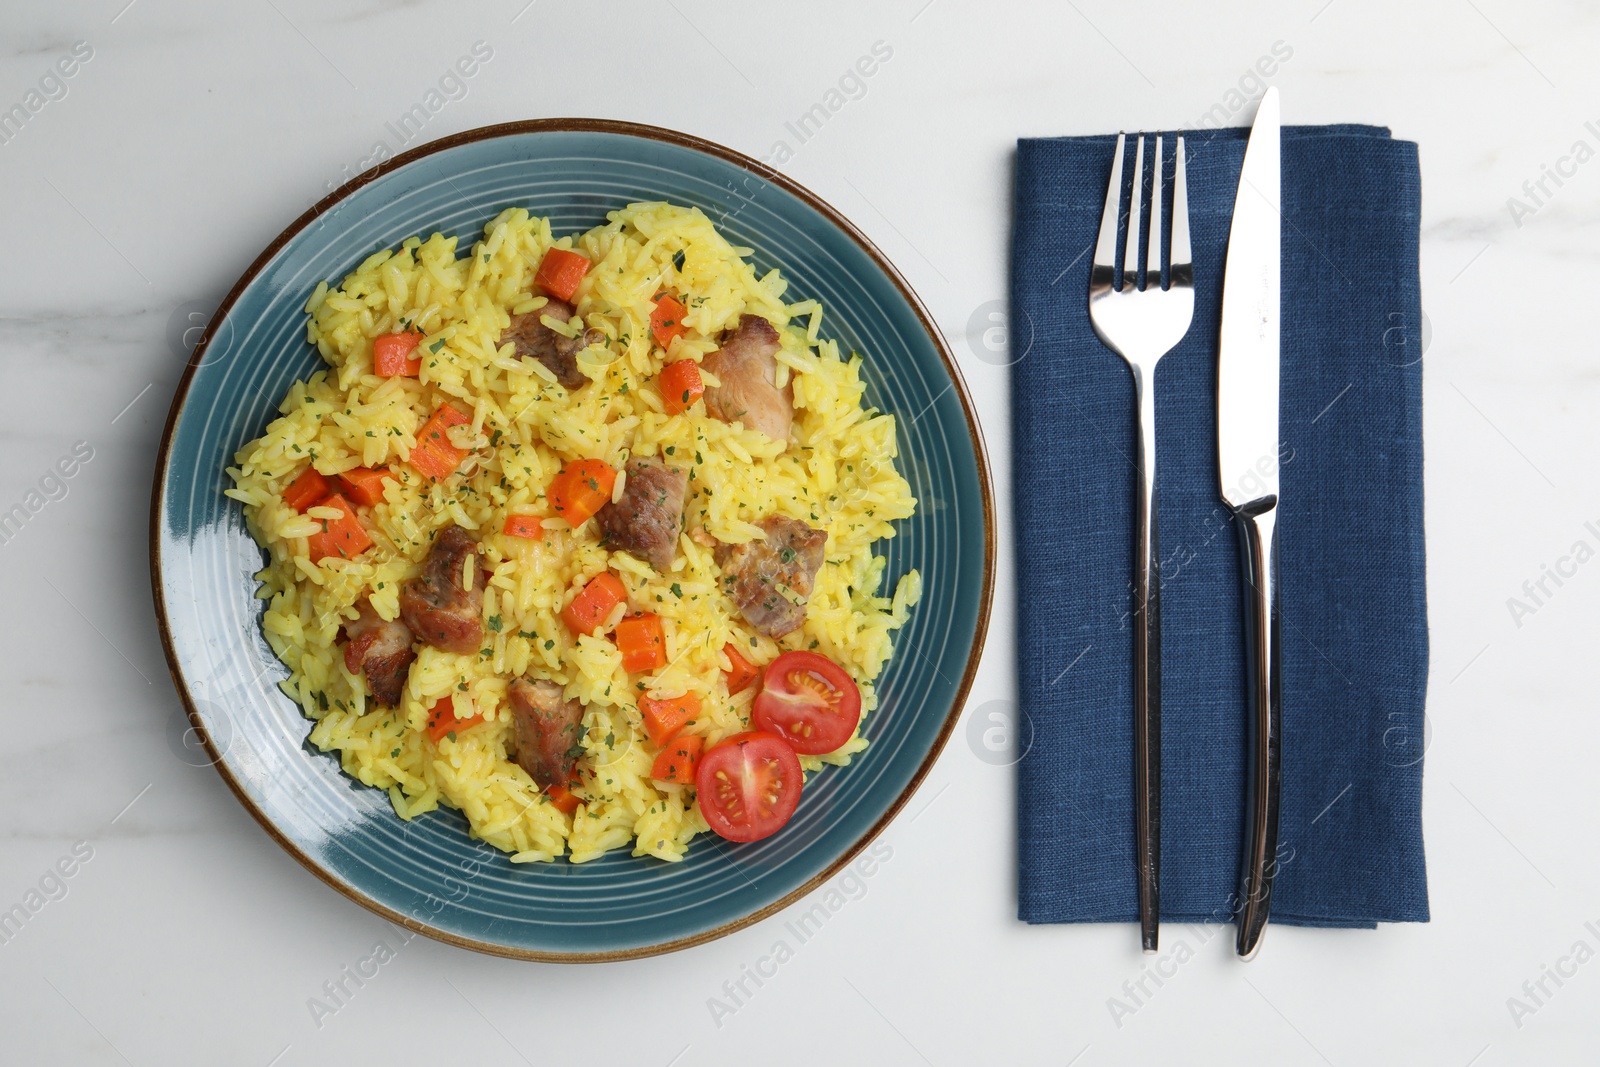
[
  {"x": 1147, "y": 677},
  {"x": 1262, "y": 767}
]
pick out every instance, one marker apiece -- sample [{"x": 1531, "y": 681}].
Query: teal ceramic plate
[{"x": 428, "y": 874}]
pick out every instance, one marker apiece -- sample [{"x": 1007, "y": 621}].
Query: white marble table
[{"x": 185, "y": 137}]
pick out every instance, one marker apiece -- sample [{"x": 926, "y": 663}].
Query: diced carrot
[
  {"x": 677, "y": 762},
  {"x": 595, "y": 604},
  {"x": 528, "y": 526},
  {"x": 642, "y": 642},
  {"x": 442, "y": 721},
  {"x": 391, "y": 355},
  {"x": 343, "y": 537},
  {"x": 666, "y": 321},
  {"x": 364, "y": 485},
  {"x": 581, "y": 488},
  {"x": 664, "y": 718},
  {"x": 560, "y": 272},
  {"x": 680, "y": 385},
  {"x": 741, "y": 671},
  {"x": 433, "y": 453},
  {"x": 306, "y": 490},
  {"x": 565, "y": 800}
]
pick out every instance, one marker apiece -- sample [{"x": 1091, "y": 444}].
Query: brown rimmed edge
[{"x": 766, "y": 173}]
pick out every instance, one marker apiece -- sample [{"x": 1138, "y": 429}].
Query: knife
[{"x": 1247, "y": 451}]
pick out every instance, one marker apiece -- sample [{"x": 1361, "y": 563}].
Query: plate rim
[{"x": 645, "y": 132}]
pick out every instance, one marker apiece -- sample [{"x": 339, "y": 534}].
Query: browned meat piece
[
  {"x": 546, "y": 729},
  {"x": 646, "y": 521},
  {"x": 382, "y": 650},
  {"x": 748, "y": 372},
  {"x": 770, "y": 580},
  {"x": 535, "y": 340},
  {"x": 435, "y": 604}
]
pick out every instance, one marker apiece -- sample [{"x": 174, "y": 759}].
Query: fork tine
[
  {"x": 1105, "y": 249},
  {"x": 1131, "y": 264},
  {"x": 1156, "y": 221},
  {"x": 1181, "y": 257}
]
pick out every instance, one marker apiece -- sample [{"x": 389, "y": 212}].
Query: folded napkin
[{"x": 1350, "y": 548}]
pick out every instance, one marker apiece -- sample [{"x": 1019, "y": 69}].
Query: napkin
[{"x": 1350, "y": 547}]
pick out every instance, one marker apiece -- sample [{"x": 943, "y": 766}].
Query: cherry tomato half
[
  {"x": 809, "y": 701},
  {"x": 748, "y": 785}
]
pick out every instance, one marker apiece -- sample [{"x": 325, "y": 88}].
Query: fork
[{"x": 1141, "y": 325}]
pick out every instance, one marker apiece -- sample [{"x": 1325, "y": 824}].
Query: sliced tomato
[
  {"x": 809, "y": 701},
  {"x": 748, "y": 785}
]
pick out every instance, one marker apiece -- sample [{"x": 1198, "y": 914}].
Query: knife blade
[{"x": 1247, "y": 450}]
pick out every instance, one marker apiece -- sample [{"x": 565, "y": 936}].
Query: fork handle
[
  {"x": 1262, "y": 773},
  {"x": 1147, "y": 676}
]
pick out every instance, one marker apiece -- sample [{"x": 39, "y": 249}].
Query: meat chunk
[
  {"x": 436, "y": 605},
  {"x": 535, "y": 340},
  {"x": 546, "y": 729},
  {"x": 748, "y": 374},
  {"x": 381, "y": 649},
  {"x": 770, "y": 580},
  {"x": 646, "y": 521}
]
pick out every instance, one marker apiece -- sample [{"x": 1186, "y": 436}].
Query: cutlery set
[{"x": 1142, "y": 323}]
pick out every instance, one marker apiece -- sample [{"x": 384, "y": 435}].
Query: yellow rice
[{"x": 838, "y": 475}]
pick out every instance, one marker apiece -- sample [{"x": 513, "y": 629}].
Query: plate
[{"x": 428, "y": 875}]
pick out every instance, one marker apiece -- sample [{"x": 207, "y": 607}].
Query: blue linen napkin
[{"x": 1350, "y": 547}]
